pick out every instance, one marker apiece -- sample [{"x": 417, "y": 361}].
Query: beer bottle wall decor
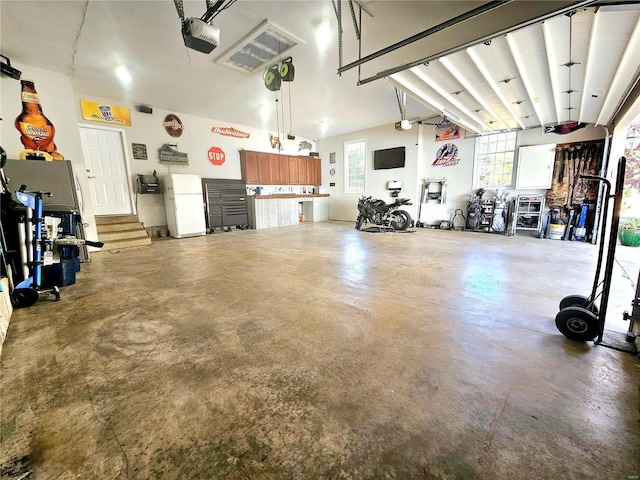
[{"x": 36, "y": 129}]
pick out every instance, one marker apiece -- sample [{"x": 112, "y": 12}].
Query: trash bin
[{"x": 63, "y": 273}]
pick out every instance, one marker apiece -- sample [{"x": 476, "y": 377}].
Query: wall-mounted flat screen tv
[{"x": 388, "y": 158}]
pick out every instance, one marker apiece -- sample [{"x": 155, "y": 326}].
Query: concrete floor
[{"x": 318, "y": 352}]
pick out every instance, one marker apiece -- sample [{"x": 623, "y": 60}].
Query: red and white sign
[
  {"x": 230, "y": 132},
  {"x": 216, "y": 155},
  {"x": 447, "y": 156}
]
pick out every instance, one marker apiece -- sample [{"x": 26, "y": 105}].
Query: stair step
[
  {"x": 121, "y": 231},
  {"x": 122, "y": 235},
  {"x": 110, "y": 219},
  {"x": 117, "y": 227},
  {"x": 117, "y": 244}
]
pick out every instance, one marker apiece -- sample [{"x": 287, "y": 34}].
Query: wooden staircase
[{"x": 121, "y": 231}]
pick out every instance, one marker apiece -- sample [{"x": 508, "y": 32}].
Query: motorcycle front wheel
[
  {"x": 359, "y": 222},
  {"x": 401, "y": 220}
]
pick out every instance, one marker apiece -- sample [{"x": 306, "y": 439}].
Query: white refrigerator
[{"x": 184, "y": 204}]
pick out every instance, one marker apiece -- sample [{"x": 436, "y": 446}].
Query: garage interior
[
  {"x": 319, "y": 352},
  {"x": 316, "y": 350}
]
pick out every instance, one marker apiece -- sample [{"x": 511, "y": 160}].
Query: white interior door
[{"x": 106, "y": 169}]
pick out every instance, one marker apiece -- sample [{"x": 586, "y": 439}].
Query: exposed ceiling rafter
[
  {"x": 475, "y": 58},
  {"x": 448, "y": 64},
  {"x": 545, "y": 74},
  {"x": 423, "y": 73}
]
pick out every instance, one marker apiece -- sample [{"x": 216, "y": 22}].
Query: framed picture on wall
[{"x": 139, "y": 151}]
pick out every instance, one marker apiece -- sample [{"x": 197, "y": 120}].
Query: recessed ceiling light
[
  {"x": 265, "y": 112},
  {"x": 123, "y": 74},
  {"x": 323, "y": 35}
]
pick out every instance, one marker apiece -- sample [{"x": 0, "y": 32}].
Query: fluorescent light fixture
[
  {"x": 450, "y": 115},
  {"x": 265, "y": 112},
  {"x": 323, "y": 127},
  {"x": 262, "y": 47},
  {"x": 123, "y": 74}
]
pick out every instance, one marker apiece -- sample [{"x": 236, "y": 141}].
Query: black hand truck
[{"x": 579, "y": 318}]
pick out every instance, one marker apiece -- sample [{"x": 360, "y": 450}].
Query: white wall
[
  {"x": 57, "y": 99},
  {"x": 459, "y": 177},
  {"x": 421, "y": 151},
  {"x": 344, "y": 206},
  {"x": 62, "y": 106},
  {"x": 195, "y": 140}
]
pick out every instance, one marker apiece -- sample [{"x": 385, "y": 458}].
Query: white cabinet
[
  {"x": 320, "y": 209},
  {"x": 287, "y": 211},
  {"x": 266, "y": 213},
  {"x": 283, "y": 212},
  {"x": 535, "y": 166}
]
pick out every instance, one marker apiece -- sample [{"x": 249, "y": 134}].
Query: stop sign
[{"x": 216, "y": 155}]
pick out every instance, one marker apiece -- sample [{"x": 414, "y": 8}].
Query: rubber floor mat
[
  {"x": 385, "y": 230},
  {"x": 130, "y": 249}
]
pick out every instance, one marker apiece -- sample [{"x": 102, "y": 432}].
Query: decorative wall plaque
[
  {"x": 173, "y": 125},
  {"x": 139, "y": 151},
  {"x": 170, "y": 154}
]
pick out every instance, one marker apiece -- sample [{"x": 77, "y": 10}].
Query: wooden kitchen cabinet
[
  {"x": 274, "y": 170},
  {"x": 263, "y": 168},
  {"x": 318, "y": 169},
  {"x": 302, "y": 170},
  {"x": 283, "y": 162},
  {"x": 249, "y": 167},
  {"x": 264, "y": 171},
  {"x": 293, "y": 170},
  {"x": 311, "y": 171}
]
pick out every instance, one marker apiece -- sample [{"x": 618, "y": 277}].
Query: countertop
[{"x": 291, "y": 195}]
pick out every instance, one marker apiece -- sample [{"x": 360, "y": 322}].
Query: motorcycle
[{"x": 380, "y": 213}]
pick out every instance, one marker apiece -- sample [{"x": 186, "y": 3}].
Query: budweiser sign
[{"x": 230, "y": 132}]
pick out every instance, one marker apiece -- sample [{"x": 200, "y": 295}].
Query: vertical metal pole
[
  {"x": 22, "y": 242},
  {"x": 597, "y": 218},
  {"x": 611, "y": 251},
  {"x": 29, "y": 233},
  {"x": 339, "y": 15},
  {"x": 37, "y": 240},
  {"x": 359, "y": 43}
]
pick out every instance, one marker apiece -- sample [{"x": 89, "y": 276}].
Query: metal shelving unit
[{"x": 528, "y": 212}]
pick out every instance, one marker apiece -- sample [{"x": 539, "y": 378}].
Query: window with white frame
[
  {"x": 494, "y": 160},
  {"x": 355, "y": 163}
]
